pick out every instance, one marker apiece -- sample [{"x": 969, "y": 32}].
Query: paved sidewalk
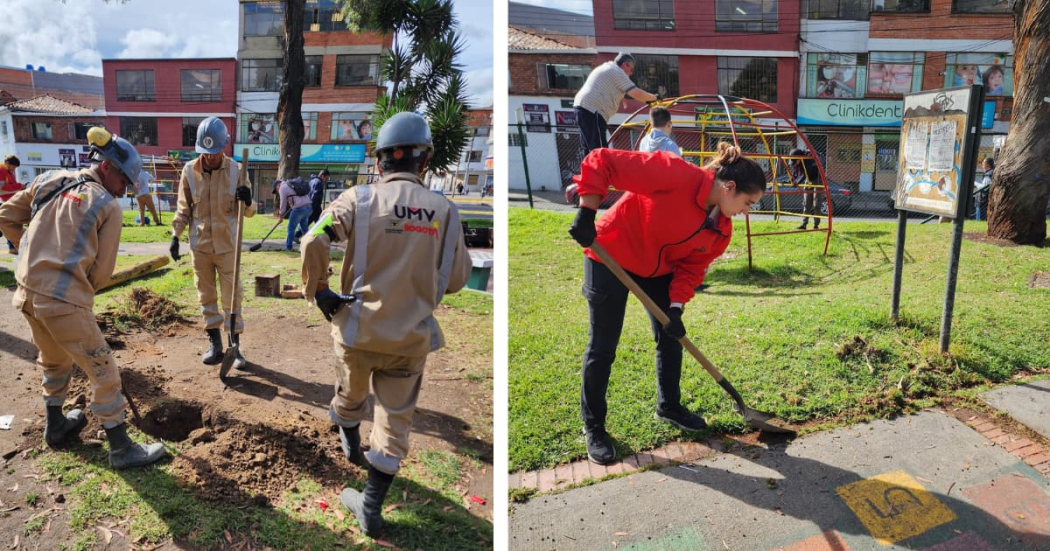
[{"x": 925, "y": 481}]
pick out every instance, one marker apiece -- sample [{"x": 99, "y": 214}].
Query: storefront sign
[
  {"x": 180, "y": 155},
  {"x": 310, "y": 153},
  {"x": 850, "y": 112},
  {"x": 537, "y": 117}
]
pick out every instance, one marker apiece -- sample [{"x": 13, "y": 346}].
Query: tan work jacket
[
  {"x": 208, "y": 206},
  {"x": 70, "y": 247},
  {"x": 405, "y": 250}
]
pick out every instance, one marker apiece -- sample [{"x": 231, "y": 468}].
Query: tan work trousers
[
  {"x": 395, "y": 382},
  {"x": 65, "y": 333},
  {"x": 146, "y": 202},
  {"x": 206, "y": 267}
]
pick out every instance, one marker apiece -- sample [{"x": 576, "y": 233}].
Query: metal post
[
  {"x": 524, "y": 159},
  {"x": 898, "y": 266}
]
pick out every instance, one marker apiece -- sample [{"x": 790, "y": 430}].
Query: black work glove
[
  {"x": 174, "y": 249},
  {"x": 243, "y": 193},
  {"x": 674, "y": 327},
  {"x": 582, "y": 228},
  {"x": 329, "y": 302}
]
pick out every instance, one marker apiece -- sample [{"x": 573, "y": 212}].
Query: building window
[
  {"x": 482, "y": 130},
  {"x": 994, "y": 71},
  {"x": 894, "y": 73},
  {"x": 562, "y": 76},
  {"x": 327, "y": 16},
  {"x": 309, "y": 126},
  {"x": 135, "y": 86},
  {"x": 351, "y": 126},
  {"x": 980, "y": 6},
  {"x": 656, "y": 74},
  {"x": 41, "y": 131},
  {"x": 201, "y": 85},
  {"x": 139, "y": 130},
  {"x": 80, "y": 130},
  {"x": 901, "y": 6},
  {"x": 643, "y": 15},
  {"x": 258, "y": 128},
  {"x": 474, "y": 157},
  {"x": 853, "y": 10},
  {"x": 189, "y": 130},
  {"x": 356, "y": 70},
  {"x": 518, "y": 140},
  {"x": 260, "y": 75},
  {"x": 263, "y": 18},
  {"x": 836, "y": 75},
  {"x": 757, "y": 16},
  {"x": 748, "y": 77},
  {"x": 313, "y": 71},
  {"x": 3, "y": 128}
]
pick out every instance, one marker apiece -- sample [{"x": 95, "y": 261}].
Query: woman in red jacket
[
  {"x": 673, "y": 220},
  {"x": 9, "y": 186}
]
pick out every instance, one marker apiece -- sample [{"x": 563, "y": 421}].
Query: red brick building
[
  {"x": 24, "y": 84},
  {"x": 46, "y": 133},
  {"x": 157, "y": 104}
]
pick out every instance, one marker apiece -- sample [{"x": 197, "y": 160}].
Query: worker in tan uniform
[
  {"x": 68, "y": 251},
  {"x": 404, "y": 251},
  {"x": 208, "y": 196}
]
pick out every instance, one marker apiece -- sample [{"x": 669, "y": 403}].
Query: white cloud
[
  {"x": 147, "y": 43},
  {"x": 479, "y": 87},
  {"x": 46, "y": 32}
]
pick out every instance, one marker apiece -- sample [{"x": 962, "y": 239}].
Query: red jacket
[
  {"x": 656, "y": 227},
  {"x": 10, "y": 185}
]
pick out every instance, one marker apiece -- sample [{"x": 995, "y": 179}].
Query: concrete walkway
[{"x": 936, "y": 480}]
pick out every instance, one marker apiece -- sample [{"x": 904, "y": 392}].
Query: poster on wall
[
  {"x": 867, "y": 158},
  {"x": 935, "y": 171},
  {"x": 565, "y": 120},
  {"x": 351, "y": 127},
  {"x": 890, "y": 78},
  {"x": 537, "y": 117},
  {"x": 994, "y": 71},
  {"x": 836, "y": 76},
  {"x": 67, "y": 158},
  {"x": 261, "y": 129}
]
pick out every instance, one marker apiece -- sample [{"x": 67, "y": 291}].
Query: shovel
[
  {"x": 758, "y": 419},
  {"x": 233, "y": 348}
]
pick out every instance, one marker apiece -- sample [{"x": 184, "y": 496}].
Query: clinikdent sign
[{"x": 850, "y": 112}]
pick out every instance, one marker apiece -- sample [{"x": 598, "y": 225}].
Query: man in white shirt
[{"x": 600, "y": 97}]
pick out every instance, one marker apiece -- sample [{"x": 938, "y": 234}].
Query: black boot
[
  {"x": 214, "y": 354},
  {"x": 367, "y": 506},
  {"x": 802, "y": 226},
  {"x": 351, "y": 442},
  {"x": 59, "y": 426},
  {"x": 238, "y": 362},
  {"x": 124, "y": 453}
]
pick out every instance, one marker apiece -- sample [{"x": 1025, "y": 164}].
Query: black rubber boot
[
  {"x": 238, "y": 362},
  {"x": 58, "y": 426},
  {"x": 123, "y": 453},
  {"x": 351, "y": 442},
  {"x": 803, "y": 225},
  {"x": 214, "y": 354},
  {"x": 367, "y": 506}
]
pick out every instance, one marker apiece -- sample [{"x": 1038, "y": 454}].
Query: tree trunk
[
  {"x": 290, "y": 102},
  {"x": 1021, "y": 185}
]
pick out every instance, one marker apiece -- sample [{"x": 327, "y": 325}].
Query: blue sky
[
  {"x": 76, "y": 35},
  {"x": 577, "y": 6}
]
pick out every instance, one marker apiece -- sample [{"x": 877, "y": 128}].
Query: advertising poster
[
  {"x": 261, "y": 129},
  {"x": 837, "y": 76},
  {"x": 565, "y": 120},
  {"x": 351, "y": 127},
  {"x": 867, "y": 158},
  {"x": 537, "y": 117},
  {"x": 994, "y": 71},
  {"x": 930, "y": 171},
  {"x": 890, "y": 78}
]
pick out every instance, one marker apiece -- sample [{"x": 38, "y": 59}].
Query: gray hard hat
[
  {"x": 405, "y": 129},
  {"x": 212, "y": 135},
  {"x": 116, "y": 150}
]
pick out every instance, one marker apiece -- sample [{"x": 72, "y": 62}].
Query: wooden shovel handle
[{"x": 653, "y": 308}]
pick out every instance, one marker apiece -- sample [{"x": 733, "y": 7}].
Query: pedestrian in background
[
  {"x": 317, "y": 187},
  {"x": 404, "y": 251},
  {"x": 298, "y": 207},
  {"x": 9, "y": 186},
  {"x": 659, "y": 136},
  {"x": 599, "y": 99},
  {"x": 672, "y": 222},
  {"x": 144, "y": 198},
  {"x": 805, "y": 174},
  {"x": 984, "y": 190},
  {"x": 208, "y": 196},
  {"x": 58, "y": 276}
]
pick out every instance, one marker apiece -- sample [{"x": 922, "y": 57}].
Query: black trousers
[
  {"x": 593, "y": 129},
  {"x": 607, "y": 299}
]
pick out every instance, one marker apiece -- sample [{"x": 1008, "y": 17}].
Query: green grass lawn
[
  {"x": 255, "y": 227},
  {"x": 777, "y": 332}
]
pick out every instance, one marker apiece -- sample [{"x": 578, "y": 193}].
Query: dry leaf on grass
[
  {"x": 339, "y": 514},
  {"x": 383, "y": 543},
  {"x": 106, "y": 534},
  {"x": 621, "y": 534},
  {"x": 15, "y": 544},
  {"x": 229, "y": 537},
  {"x": 427, "y": 502},
  {"x": 392, "y": 507}
]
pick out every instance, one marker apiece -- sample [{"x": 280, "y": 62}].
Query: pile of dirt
[
  {"x": 1039, "y": 280},
  {"x": 106, "y": 324},
  {"x": 153, "y": 310},
  {"x": 237, "y": 463}
]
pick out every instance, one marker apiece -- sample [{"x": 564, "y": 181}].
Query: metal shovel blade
[
  {"x": 766, "y": 422},
  {"x": 228, "y": 361}
]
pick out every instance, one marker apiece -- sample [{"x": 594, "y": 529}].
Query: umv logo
[{"x": 409, "y": 213}]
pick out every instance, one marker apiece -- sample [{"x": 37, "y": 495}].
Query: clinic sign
[
  {"x": 309, "y": 153},
  {"x": 850, "y": 112}
]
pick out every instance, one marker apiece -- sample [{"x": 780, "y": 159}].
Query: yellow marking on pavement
[{"x": 894, "y": 506}]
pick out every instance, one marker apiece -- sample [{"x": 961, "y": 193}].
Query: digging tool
[
  {"x": 259, "y": 245},
  {"x": 758, "y": 419},
  {"x": 234, "y": 347},
  {"x": 131, "y": 404}
]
